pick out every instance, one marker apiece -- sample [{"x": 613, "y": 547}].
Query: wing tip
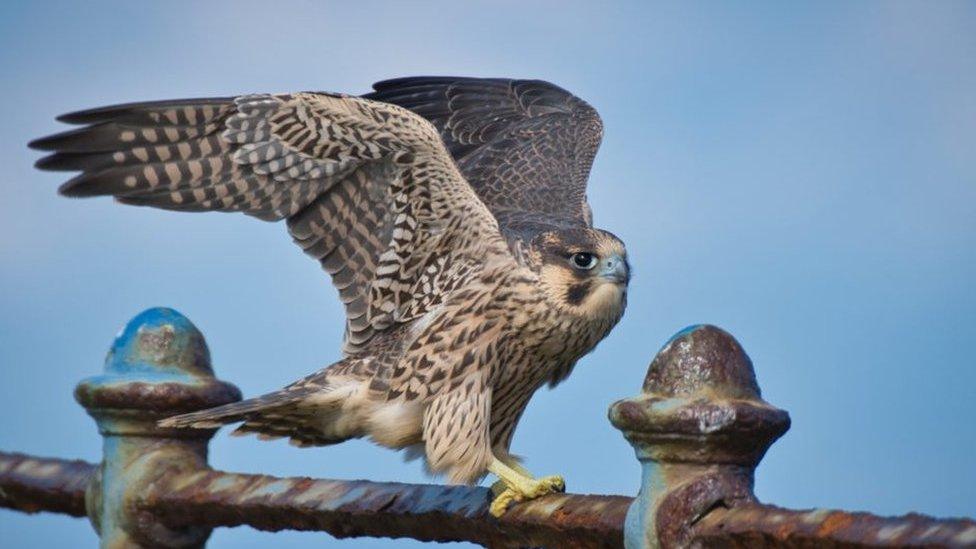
[
  {"x": 85, "y": 116},
  {"x": 46, "y": 143},
  {"x": 60, "y": 162},
  {"x": 89, "y": 184},
  {"x": 96, "y": 115},
  {"x": 73, "y": 140},
  {"x": 46, "y": 163},
  {"x": 70, "y": 189}
]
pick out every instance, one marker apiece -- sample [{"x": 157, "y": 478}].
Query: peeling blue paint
[{"x": 162, "y": 349}]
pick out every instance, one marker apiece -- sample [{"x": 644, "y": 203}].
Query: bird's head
[{"x": 583, "y": 271}]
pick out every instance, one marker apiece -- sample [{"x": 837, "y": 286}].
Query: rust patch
[
  {"x": 30, "y": 484},
  {"x": 361, "y": 508},
  {"x": 833, "y": 523},
  {"x": 755, "y": 525}
]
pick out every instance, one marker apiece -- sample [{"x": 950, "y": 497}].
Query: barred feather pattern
[
  {"x": 525, "y": 146},
  {"x": 367, "y": 187}
]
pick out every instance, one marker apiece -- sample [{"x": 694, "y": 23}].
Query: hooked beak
[{"x": 616, "y": 270}]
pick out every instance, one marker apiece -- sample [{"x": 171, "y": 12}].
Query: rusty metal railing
[{"x": 699, "y": 428}]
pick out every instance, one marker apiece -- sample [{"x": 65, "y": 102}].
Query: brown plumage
[{"x": 451, "y": 215}]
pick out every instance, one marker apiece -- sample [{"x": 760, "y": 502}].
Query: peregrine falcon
[{"x": 451, "y": 215}]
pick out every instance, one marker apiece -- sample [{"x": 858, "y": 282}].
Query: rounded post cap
[
  {"x": 700, "y": 403},
  {"x": 702, "y": 358},
  {"x": 159, "y": 363},
  {"x": 160, "y": 341}
]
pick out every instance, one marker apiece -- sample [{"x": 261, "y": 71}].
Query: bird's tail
[
  {"x": 300, "y": 412},
  {"x": 234, "y": 412}
]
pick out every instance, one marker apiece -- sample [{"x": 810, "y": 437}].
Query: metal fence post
[
  {"x": 158, "y": 366},
  {"x": 699, "y": 429}
]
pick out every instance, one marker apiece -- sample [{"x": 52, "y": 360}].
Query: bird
[{"x": 451, "y": 215}]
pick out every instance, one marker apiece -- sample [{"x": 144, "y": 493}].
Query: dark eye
[{"x": 583, "y": 260}]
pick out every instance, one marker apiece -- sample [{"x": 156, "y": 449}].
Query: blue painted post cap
[
  {"x": 158, "y": 363},
  {"x": 159, "y": 341}
]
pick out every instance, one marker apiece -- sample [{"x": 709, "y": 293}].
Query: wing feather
[
  {"x": 367, "y": 188},
  {"x": 526, "y": 146}
]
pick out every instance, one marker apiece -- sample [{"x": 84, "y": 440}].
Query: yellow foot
[
  {"x": 502, "y": 502},
  {"x": 497, "y": 488},
  {"x": 523, "y": 490},
  {"x": 548, "y": 485}
]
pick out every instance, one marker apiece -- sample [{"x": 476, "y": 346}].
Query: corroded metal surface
[
  {"x": 361, "y": 508},
  {"x": 702, "y": 358},
  {"x": 699, "y": 428},
  {"x": 30, "y": 484},
  {"x": 356, "y": 508},
  {"x": 752, "y": 526},
  {"x": 700, "y": 403},
  {"x": 342, "y": 508},
  {"x": 158, "y": 365}
]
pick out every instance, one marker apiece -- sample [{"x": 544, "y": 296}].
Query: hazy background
[{"x": 802, "y": 176}]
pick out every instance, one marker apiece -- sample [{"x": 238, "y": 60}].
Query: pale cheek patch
[{"x": 605, "y": 300}]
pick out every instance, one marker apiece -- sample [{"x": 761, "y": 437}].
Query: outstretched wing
[
  {"x": 367, "y": 187},
  {"x": 526, "y": 146}
]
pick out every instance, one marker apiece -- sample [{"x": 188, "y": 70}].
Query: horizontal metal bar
[
  {"x": 30, "y": 484},
  {"x": 339, "y": 507},
  {"x": 361, "y": 508},
  {"x": 452, "y": 513},
  {"x": 757, "y": 525}
]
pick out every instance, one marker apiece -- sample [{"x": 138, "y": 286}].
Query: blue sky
[{"x": 801, "y": 175}]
